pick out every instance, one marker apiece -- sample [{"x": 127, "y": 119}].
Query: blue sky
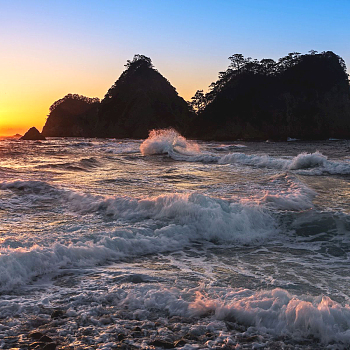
[{"x": 51, "y": 48}]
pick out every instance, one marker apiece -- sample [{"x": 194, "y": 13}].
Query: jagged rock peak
[
  {"x": 33, "y": 134},
  {"x": 139, "y": 101}
]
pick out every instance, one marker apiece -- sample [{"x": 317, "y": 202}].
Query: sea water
[{"x": 170, "y": 242}]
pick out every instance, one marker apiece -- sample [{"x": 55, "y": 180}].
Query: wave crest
[{"x": 168, "y": 141}]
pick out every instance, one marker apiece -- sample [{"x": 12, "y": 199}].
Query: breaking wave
[
  {"x": 168, "y": 141},
  {"x": 156, "y": 224},
  {"x": 279, "y": 313},
  {"x": 305, "y": 163},
  {"x": 296, "y": 196}
]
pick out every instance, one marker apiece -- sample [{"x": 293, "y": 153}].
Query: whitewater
[{"x": 168, "y": 242}]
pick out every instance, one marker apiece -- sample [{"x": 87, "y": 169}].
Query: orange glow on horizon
[
  {"x": 27, "y": 92},
  {"x": 17, "y": 115}
]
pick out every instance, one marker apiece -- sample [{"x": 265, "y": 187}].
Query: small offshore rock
[{"x": 33, "y": 134}]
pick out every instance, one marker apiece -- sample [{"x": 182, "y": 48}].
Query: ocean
[{"x": 167, "y": 242}]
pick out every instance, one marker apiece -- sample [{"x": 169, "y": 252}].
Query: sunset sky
[{"x": 51, "y": 48}]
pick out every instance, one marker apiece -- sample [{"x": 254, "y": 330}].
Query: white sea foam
[
  {"x": 307, "y": 163},
  {"x": 229, "y": 147},
  {"x": 170, "y": 142},
  {"x": 279, "y": 313},
  {"x": 158, "y": 224},
  {"x": 167, "y": 141},
  {"x": 267, "y": 313},
  {"x": 253, "y": 160},
  {"x": 185, "y": 217},
  {"x": 296, "y": 196},
  {"x": 291, "y": 139}
]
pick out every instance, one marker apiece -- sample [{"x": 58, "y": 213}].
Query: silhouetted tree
[
  {"x": 198, "y": 101},
  {"x": 139, "y": 60},
  {"x": 237, "y": 62},
  {"x": 268, "y": 66}
]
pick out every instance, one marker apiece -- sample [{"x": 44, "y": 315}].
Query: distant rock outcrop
[
  {"x": 139, "y": 101},
  {"x": 72, "y": 116},
  {"x": 33, "y": 134},
  {"x": 300, "y": 96}
]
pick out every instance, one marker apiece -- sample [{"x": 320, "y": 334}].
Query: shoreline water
[{"x": 198, "y": 245}]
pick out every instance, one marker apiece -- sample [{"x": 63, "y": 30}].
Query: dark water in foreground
[{"x": 170, "y": 242}]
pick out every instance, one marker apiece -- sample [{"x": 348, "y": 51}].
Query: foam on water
[
  {"x": 261, "y": 266},
  {"x": 279, "y": 313},
  {"x": 297, "y": 196},
  {"x": 157, "y": 224},
  {"x": 253, "y": 160},
  {"x": 271, "y": 312},
  {"x": 170, "y": 142},
  {"x": 304, "y": 163},
  {"x": 187, "y": 216}
]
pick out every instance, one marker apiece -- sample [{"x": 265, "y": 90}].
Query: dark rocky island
[
  {"x": 299, "y": 96},
  {"x": 33, "y": 134}
]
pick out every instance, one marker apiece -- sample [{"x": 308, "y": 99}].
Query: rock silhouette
[
  {"x": 72, "y": 116},
  {"x": 299, "y": 96},
  {"x": 139, "y": 101},
  {"x": 33, "y": 134}
]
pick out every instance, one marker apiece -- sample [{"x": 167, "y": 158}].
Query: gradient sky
[{"x": 51, "y": 48}]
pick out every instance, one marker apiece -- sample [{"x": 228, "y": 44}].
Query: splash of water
[{"x": 168, "y": 141}]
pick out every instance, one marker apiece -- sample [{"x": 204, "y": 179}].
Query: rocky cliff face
[{"x": 139, "y": 101}]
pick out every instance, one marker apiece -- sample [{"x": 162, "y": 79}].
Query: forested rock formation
[
  {"x": 300, "y": 96},
  {"x": 139, "y": 101},
  {"x": 73, "y": 115}
]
